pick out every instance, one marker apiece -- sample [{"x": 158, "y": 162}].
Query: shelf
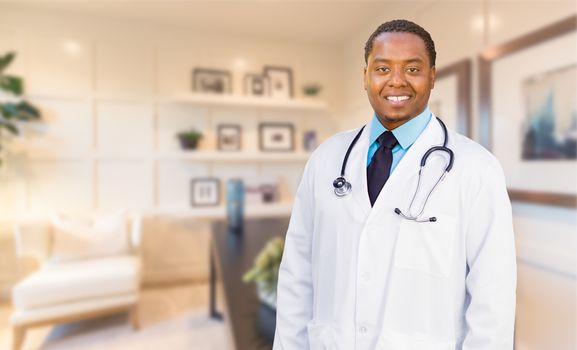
[
  {"x": 248, "y": 101},
  {"x": 214, "y": 156},
  {"x": 201, "y": 156},
  {"x": 219, "y": 212},
  {"x": 307, "y": 104}
]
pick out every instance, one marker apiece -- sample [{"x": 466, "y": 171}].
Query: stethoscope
[{"x": 343, "y": 187}]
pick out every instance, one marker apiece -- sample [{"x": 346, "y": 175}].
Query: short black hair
[{"x": 403, "y": 26}]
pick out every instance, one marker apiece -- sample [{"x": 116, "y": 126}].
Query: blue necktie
[{"x": 380, "y": 167}]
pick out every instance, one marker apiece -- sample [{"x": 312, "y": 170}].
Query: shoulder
[
  {"x": 471, "y": 153},
  {"x": 478, "y": 166}
]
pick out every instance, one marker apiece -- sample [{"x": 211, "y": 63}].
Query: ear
[
  {"x": 365, "y": 78},
  {"x": 433, "y": 76}
]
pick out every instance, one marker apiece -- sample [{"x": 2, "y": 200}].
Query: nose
[{"x": 397, "y": 78}]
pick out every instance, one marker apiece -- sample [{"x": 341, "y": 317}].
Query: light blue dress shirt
[{"x": 406, "y": 134}]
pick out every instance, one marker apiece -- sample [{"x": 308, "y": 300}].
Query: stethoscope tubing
[{"x": 342, "y": 187}]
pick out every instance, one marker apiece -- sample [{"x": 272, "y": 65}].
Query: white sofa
[{"x": 65, "y": 290}]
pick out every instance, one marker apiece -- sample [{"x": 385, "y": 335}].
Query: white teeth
[{"x": 397, "y": 98}]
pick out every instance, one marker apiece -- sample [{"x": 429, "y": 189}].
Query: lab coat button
[{"x": 362, "y": 329}]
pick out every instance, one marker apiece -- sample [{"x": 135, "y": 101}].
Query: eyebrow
[{"x": 410, "y": 60}]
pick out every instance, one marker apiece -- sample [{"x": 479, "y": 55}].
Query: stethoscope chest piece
[{"x": 342, "y": 186}]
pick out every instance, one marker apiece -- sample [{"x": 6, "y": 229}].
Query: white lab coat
[{"x": 356, "y": 277}]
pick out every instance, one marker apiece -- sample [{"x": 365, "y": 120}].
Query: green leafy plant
[
  {"x": 312, "y": 89},
  {"x": 189, "y": 138},
  {"x": 266, "y": 266},
  {"x": 13, "y": 108}
]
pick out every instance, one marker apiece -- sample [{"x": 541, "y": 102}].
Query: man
[{"x": 407, "y": 259}]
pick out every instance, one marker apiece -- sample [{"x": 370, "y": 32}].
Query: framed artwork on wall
[
  {"x": 257, "y": 85},
  {"x": 528, "y": 113},
  {"x": 211, "y": 81},
  {"x": 281, "y": 81},
  {"x": 276, "y": 137},
  {"x": 204, "y": 192},
  {"x": 229, "y": 137},
  {"x": 451, "y": 98}
]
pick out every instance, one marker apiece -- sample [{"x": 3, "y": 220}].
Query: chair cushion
[
  {"x": 64, "y": 282},
  {"x": 82, "y": 308},
  {"x": 81, "y": 239}
]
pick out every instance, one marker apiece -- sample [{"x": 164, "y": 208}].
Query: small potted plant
[
  {"x": 265, "y": 271},
  {"x": 312, "y": 89},
  {"x": 189, "y": 139}
]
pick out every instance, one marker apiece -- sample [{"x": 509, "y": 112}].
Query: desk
[{"x": 251, "y": 323}]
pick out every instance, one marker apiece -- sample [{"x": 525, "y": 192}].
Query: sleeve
[
  {"x": 492, "y": 272},
  {"x": 294, "y": 290}
]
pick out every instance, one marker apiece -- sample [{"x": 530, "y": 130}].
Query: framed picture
[
  {"x": 262, "y": 189},
  {"x": 212, "y": 81},
  {"x": 229, "y": 137},
  {"x": 281, "y": 81},
  {"x": 205, "y": 192},
  {"x": 257, "y": 85},
  {"x": 276, "y": 137},
  {"x": 528, "y": 115},
  {"x": 451, "y": 98}
]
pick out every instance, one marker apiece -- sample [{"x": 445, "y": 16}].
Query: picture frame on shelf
[
  {"x": 229, "y": 137},
  {"x": 276, "y": 137},
  {"x": 515, "y": 94},
  {"x": 204, "y": 192},
  {"x": 262, "y": 190},
  {"x": 281, "y": 81},
  {"x": 211, "y": 81},
  {"x": 451, "y": 98},
  {"x": 256, "y": 85}
]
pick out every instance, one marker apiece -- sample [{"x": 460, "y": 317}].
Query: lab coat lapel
[
  {"x": 357, "y": 174},
  {"x": 408, "y": 168}
]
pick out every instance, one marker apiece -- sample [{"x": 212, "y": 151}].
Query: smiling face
[{"x": 398, "y": 78}]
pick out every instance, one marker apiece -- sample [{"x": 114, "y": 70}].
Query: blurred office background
[{"x": 114, "y": 83}]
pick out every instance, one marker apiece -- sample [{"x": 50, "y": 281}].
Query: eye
[
  {"x": 383, "y": 69},
  {"x": 413, "y": 70}
]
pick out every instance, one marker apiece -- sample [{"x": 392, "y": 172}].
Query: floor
[{"x": 172, "y": 317}]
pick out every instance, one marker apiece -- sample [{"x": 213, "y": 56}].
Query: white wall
[
  {"x": 104, "y": 87},
  {"x": 546, "y": 236}
]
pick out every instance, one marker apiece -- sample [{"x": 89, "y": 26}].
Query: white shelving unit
[
  {"x": 215, "y": 158},
  {"x": 150, "y": 158}
]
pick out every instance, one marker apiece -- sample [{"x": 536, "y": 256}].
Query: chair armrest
[{"x": 33, "y": 239}]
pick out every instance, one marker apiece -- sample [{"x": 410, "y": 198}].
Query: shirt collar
[{"x": 407, "y": 133}]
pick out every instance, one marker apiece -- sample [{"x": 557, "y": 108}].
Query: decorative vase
[{"x": 235, "y": 205}]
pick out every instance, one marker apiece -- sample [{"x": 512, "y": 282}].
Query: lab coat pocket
[
  {"x": 426, "y": 246},
  {"x": 391, "y": 340},
  {"x": 320, "y": 336}
]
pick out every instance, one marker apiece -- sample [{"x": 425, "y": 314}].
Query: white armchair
[{"x": 69, "y": 286}]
